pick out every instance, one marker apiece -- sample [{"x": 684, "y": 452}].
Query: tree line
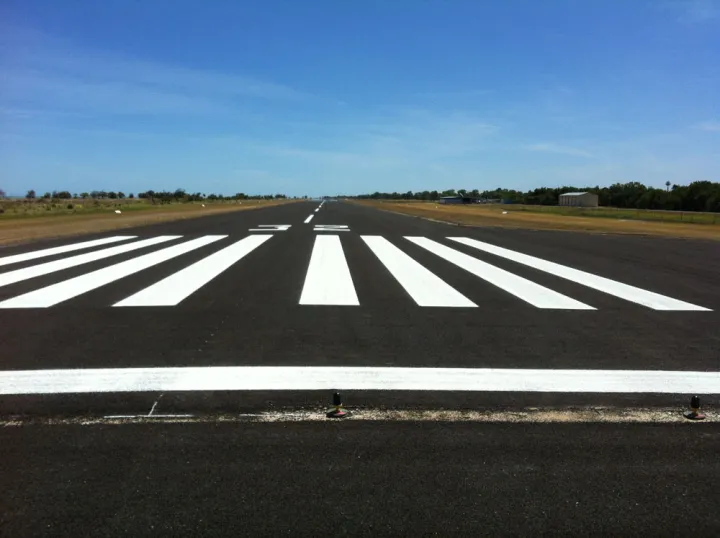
[
  {"x": 178, "y": 195},
  {"x": 697, "y": 196}
]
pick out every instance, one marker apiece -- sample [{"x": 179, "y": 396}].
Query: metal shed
[{"x": 579, "y": 199}]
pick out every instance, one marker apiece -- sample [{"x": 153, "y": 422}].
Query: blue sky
[{"x": 324, "y": 97}]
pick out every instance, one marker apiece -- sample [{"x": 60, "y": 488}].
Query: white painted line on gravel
[
  {"x": 522, "y": 288},
  {"x": 62, "y": 291},
  {"x": 58, "y": 265},
  {"x": 178, "y": 286},
  {"x": 307, "y": 220},
  {"x": 328, "y": 280},
  {"x": 424, "y": 287},
  {"x": 213, "y": 378},
  {"x": 17, "y": 258},
  {"x": 611, "y": 287}
]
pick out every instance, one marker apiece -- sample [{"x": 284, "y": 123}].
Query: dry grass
[
  {"x": 491, "y": 215},
  {"x": 28, "y": 228}
]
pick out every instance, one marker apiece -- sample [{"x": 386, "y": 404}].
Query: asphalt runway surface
[
  {"x": 272, "y": 309},
  {"x": 355, "y": 287},
  {"x": 360, "y": 479}
]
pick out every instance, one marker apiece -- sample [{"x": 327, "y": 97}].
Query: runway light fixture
[
  {"x": 338, "y": 411},
  {"x": 694, "y": 413}
]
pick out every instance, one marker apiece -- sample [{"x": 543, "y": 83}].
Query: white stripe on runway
[
  {"x": 422, "y": 285},
  {"x": 62, "y": 291},
  {"x": 307, "y": 220},
  {"x": 522, "y": 288},
  {"x": 318, "y": 209},
  {"x": 58, "y": 265},
  {"x": 611, "y": 287},
  {"x": 216, "y": 378},
  {"x": 328, "y": 280},
  {"x": 7, "y": 260},
  {"x": 175, "y": 288}
]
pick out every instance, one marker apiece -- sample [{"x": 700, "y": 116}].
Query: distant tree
[
  {"x": 131, "y": 196},
  {"x": 121, "y": 195},
  {"x": 112, "y": 195},
  {"x": 46, "y": 195},
  {"x": 75, "y": 195},
  {"x": 30, "y": 194}
]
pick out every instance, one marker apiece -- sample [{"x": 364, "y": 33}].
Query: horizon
[{"x": 318, "y": 98}]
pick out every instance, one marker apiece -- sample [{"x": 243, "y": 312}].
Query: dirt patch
[
  {"x": 479, "y": 215},
  {"x": 29, "y": 229}
]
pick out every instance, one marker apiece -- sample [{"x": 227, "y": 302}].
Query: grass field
[
  {"x": 607, "y": 220},
  {"x": 22, "y": 220}
]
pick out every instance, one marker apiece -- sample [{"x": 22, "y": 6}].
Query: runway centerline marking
[
  {"x": 178, "y": 286},
  {"x": 521, "y": 288},
  {"x": 270, "y": 378},
  {"x": 423, "y": 286},
  {"x": 62, "y": 291},
  {"x": 611, "y": 287},
  {"x": 58, "y": 265},
  {"x": 17, "y": 258},
  {"x": 328, "y": 280},
  {"x": 307, "y": 220}
]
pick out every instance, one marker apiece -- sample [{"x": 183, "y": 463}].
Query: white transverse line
[
  {"x": 7, "y": 260},
  {"x": 422, "y": 285},
  {"x": 62, "y": 291},
  {"x": 307, "y": 220},
  {"x": 618, "y": 289},
  {"x": 214, "y": 378},
  {"x": 58, "y": 265},
  {"x": 328, "y": 280},
  {"x": 175, "y": 288},
  {"x": 526, "y": 290}
]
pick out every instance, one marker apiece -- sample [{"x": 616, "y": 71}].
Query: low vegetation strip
[
  {"x": 34, "y": 221},
  {"x": 607, "y": 220}
]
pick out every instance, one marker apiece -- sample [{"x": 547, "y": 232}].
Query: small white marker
[
  {"x": 271, "y": 228},
  {"x": 331, "y": 228}
]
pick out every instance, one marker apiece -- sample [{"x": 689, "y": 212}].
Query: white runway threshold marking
[
  {"x": 611, "y": 287},
  {"x": 178, "y": 286},
  {"x": 422, "y": 285},
  {"x": 522, "y": 288},
  {"x": 62, "y": 291},
  {"x": 58, "y": 265},
  {"x": 213, "y": 378},
  {"x": 17, "y": 258},
  {"x": 328, "y": 280}
]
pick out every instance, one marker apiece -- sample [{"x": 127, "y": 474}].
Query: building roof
[{"x": 575, "y": 193}]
